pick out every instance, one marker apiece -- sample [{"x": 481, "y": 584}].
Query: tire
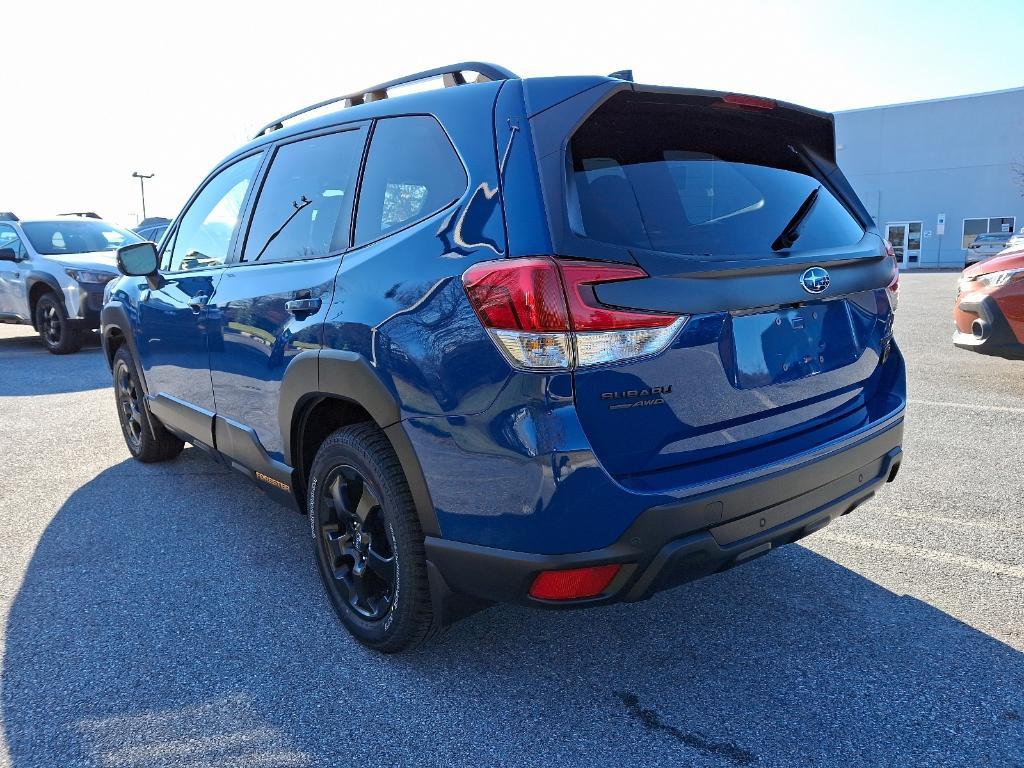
[
  {"x": 368, "y": 542},
  {"x": 55, "y": 330},
  {"x": 144, "y": 434}
]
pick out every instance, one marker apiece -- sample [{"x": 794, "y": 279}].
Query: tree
[{"x": 1017, "y": 173}]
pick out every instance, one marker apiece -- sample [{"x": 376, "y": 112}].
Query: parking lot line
[
  {"x": 967, "y": 406},
  {"x": 990, "y": 567},
  {"x": 984, "y": 524}
]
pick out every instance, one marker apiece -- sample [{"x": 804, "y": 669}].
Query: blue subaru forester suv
[{"x": 560, "y": 341}]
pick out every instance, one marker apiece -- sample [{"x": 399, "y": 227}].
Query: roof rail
[{"x": 453, "y": 74}]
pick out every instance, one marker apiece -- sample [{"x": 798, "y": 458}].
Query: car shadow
[
  {"x": 28, "y": 369},
  {"x": 171, "y": 615}
]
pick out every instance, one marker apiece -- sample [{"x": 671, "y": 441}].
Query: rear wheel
[
  {"x": 146, "y": 437},
  {"x": 54, "y": 327},
  {"x": 367, "y": 540}
]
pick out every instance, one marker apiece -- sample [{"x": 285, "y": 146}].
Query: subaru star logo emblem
[{"x": 815, "y": 280}]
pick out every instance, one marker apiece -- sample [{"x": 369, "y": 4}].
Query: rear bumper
[
  {"x": 994, "y": 335},
  {"x": 661, "y": 549}
]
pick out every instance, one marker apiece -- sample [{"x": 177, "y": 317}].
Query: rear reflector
[
  {"x": 574, "y": 583},
  {"x": 543, "y": 314}
]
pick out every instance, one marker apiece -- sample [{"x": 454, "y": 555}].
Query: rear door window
[
  {"x": 304, "y": 208},
  {"x": 699, "y": 181},
  {"x": 412, "y": 171}
]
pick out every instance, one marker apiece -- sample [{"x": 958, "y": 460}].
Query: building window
[{"x": 975, "y": 227}]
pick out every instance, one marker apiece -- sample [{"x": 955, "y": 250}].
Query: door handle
[
  {"x": 198, "y": 301},
  {"x": 303, "y": 306}
]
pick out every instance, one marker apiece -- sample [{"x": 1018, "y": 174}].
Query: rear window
[
  {"x": 412, "y": 171},
  {"x": 698, "y": 180}
]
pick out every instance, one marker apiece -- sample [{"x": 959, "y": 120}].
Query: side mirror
[
  {"x": 140, "y": 260},
  {"x": 8, "y": 254},
  {"x": 137, "y": 259}
]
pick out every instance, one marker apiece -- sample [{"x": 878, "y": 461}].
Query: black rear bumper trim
[{"x": 669, "y": 545}]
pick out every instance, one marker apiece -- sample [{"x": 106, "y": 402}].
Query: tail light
[
  {"x": 543, "y": 314},
  {"x": 893, "y": 289}
]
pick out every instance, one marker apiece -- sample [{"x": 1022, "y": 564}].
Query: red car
[{"x": 989, "y": 310}]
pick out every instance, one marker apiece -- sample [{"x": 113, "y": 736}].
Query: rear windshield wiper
[{"x": 791, "y": 233}]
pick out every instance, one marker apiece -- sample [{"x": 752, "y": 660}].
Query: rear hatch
[{"x": 737, "y": 212}]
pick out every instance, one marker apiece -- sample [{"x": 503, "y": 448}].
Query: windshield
[
  {"x": 53, "y": 238},
  {"x": 703, "y": 181}
]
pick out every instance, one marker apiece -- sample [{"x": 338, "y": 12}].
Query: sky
[{"x": 95, "y": 91}]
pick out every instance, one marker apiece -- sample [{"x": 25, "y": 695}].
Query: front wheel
[
  {"x": 54, "y": 327},
  {"x": 146, "y": 437},
  {"x": 367, "y": 540}
]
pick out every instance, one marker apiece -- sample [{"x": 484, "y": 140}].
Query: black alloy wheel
[
  {"x": 355, "y": 544},
  {"x": 146, "y": 437},
  {"x": 367, "y": 540},
  {"x": 55, "y": 329},
  {"x": 50, "y": 325},
  {"x": 129, "y": 400}
]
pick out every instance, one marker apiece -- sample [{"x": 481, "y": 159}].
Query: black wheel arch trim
[
  {"x": 340, "y": 374},
  {"x": 34, "y": 278},
  {"x": 114, "y": 317}
]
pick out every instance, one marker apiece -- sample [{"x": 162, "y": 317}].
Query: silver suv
[
  {"x": 52, "y": 275},
  {"x": 986, "y": 246}
]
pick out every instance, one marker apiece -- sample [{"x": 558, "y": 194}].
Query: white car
[
  {"x": 1016, "y": 242},
  {"x": 53, "y": 272},
  {"x": 986, "y": 246}
]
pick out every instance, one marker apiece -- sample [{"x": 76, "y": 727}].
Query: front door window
[{"x": 204, "y": 234}]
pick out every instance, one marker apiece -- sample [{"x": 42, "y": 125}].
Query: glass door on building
[{"x": 905, "y": 237}]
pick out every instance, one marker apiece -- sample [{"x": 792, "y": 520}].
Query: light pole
[{"x": 142, "y": 188}]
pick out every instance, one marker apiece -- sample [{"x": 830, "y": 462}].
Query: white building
[{"x": 934, "y": 174}]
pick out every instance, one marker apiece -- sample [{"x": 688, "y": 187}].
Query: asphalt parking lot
[{"x": 170, "y": 615}]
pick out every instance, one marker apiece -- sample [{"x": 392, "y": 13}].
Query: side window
[
  {"x": 305, "y": 205},
  {"x": 412, "y": 171},
  {"x": 7, "y": 236},
  {"x": 9, "y": 239},
  {"x": 205, "y": 231}
]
